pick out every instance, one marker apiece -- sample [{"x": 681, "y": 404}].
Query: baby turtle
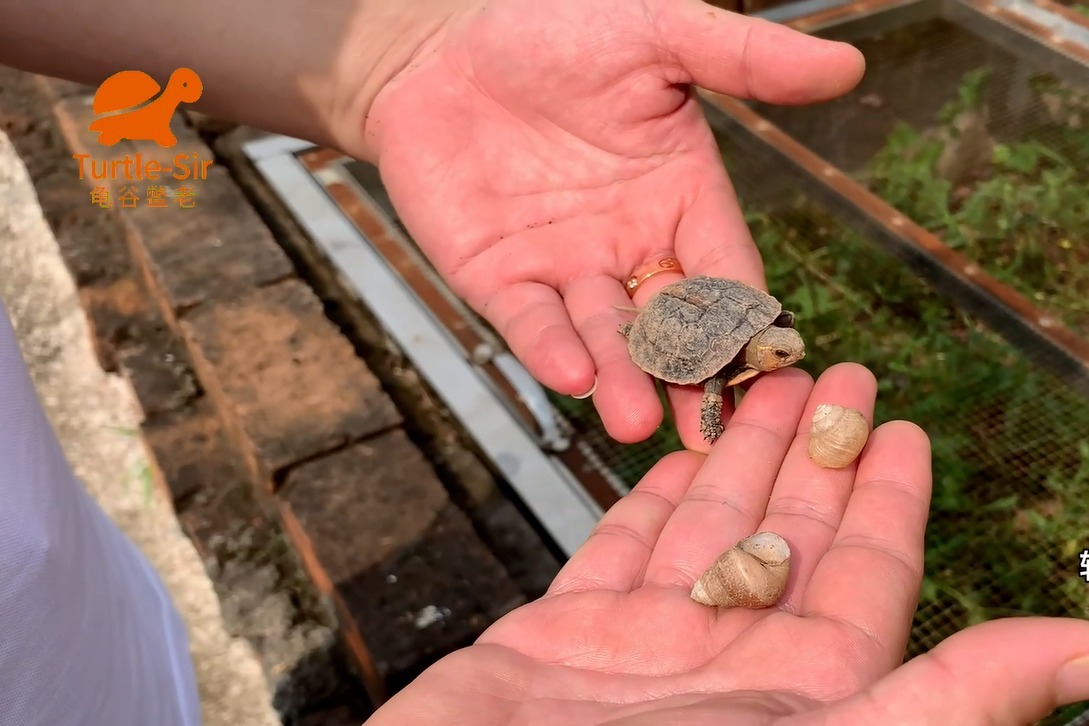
[{"x": 712, "y": 332}]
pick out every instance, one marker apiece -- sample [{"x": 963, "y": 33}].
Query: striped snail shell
[
  {"x": 837, "y": 435},
  {"x": 751, "y": 574}
]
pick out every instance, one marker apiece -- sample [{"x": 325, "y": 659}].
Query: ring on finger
[{"x": 648, "y": 270}]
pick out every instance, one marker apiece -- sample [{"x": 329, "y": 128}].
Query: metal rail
[
  {"x": 477, "y": 343},
  {"x": 563, "y": 507}
]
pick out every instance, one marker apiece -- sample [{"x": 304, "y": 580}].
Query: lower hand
[{"x": 617, "y": 640}]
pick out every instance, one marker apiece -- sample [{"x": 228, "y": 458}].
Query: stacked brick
[{"x": 287, "y": 462}]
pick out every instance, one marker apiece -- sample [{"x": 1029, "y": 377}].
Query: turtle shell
[
  {"x": 124, "y": 90},
  {"x": 692, "y": 328}
]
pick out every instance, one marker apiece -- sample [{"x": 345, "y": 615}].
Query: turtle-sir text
[{"x": 132, "y": 168}]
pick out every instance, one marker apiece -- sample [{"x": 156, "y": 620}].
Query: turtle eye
[{"x": 781, "y": 354}]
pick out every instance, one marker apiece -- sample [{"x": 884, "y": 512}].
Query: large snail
[
  {"x": 837, "y": 435},
  {"x": 751, "y": 574}
]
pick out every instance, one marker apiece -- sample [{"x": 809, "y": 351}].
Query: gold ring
[{"x": 648, "y": 270}]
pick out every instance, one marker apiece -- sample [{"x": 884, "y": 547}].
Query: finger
[
  {"x": 870, "y": 577},
  {"x": 533, "y": 320},
  {"x": 729, "y": 494},
  {"x": 753, "y": 58},
  {"x": 626, "y": 397},
  {"x": 616, "y": 553},
  {"x": 808, "y": 502},
  {"x": 712, "y": 237},
  {"x": 1014, "y": 671}
]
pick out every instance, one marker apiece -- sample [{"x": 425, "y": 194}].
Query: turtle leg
[
  {"x": 624, "y": 329},
  {"x": 711, "y": 409},
  {"x": 741, "y": 376},
  {"x": 785, "y": 320}
]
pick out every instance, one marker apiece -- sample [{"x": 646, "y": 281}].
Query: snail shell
[
  {"x": 837, "y": 435},
  {"x": 751, "y": 574}
]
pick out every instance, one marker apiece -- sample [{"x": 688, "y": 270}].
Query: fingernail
[
  {"x": 1072, "y": 684},
  {"x": 588, "y": 393}
]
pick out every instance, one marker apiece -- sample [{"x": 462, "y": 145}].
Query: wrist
[{"x": 382, "y": 44}]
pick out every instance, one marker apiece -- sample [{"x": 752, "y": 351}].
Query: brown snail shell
[
  {"x": 837, "y": 435},
  {"x": 751, "y": 574}
]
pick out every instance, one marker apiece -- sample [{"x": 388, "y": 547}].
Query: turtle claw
[{"x": 710, "y": 428}]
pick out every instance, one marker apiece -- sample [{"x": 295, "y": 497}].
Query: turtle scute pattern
[{"x": 694, "y": 327}]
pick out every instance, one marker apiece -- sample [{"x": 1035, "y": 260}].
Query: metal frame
[{"x": 559, "y": 501}]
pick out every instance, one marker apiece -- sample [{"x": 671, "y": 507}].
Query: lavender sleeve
[{"x": 88, "y": 635}]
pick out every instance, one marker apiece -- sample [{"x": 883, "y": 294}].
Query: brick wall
[{"x": 304, "y": 485}]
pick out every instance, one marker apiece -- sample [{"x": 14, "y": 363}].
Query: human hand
[
  {"x": 540, "y": 153},
  {"x": 617, "y": 640}
]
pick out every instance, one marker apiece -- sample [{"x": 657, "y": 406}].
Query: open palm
[
  {"x": 617, "y": 640},
  {"x": 539, "y": 152}
]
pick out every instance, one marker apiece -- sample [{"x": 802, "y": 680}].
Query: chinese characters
[{"x": 155, "y": 196}]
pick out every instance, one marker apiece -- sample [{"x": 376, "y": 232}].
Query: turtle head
[
  {"x": 185, "y": 84},
  {"x": 775, "y": 348}
]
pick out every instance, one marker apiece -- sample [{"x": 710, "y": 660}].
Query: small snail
[
  {"x": 837, "y": 435},
  {"x": 751, "y": 574}
]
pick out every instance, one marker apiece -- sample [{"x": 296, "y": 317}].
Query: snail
[
  {"x": 751, "y": 574},
  {"x": 837, "y": 435}
]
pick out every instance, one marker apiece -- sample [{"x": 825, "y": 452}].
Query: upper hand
[
  {"x": 617, "y": 639},
  {"x": 539, "y": 152}
]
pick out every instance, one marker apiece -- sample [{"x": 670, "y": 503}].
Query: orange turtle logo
[{"x": 127, "y": 106}]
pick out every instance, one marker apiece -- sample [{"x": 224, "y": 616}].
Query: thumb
[
  {"x": 753, "y": 58},
  {"x": 1014, "y": 671}
]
